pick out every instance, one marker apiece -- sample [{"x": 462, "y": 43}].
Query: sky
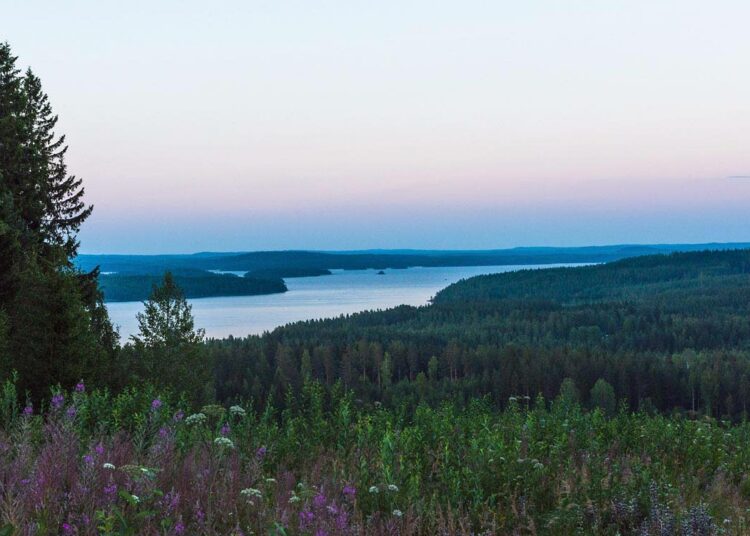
[{"x": 266, "y": 125}]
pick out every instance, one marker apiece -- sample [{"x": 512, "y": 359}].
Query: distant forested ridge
[
  {"x": 316, "y": 262},
  {"x": 288, "y": 272},
  {"x": 199, "y": 284},
  {"x": 666, "y": 332}
]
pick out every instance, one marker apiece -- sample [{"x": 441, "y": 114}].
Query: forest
[
  {"x": 194, "y": 284},
  {"x": 604, "y": 399}
]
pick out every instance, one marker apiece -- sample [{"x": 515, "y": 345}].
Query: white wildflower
[
  {"x": 196, "y": 418},
  {"x": 271, "y": 480},
  {"x": 397, "y": 513},
  {"x": 392, "y": 487},
  {"x": 251, "y": 492},
  {"x": 294, "y": 499},
  {"x": 224, "y": 442},
  {"x": 237, "y": 410},
  {"x": 108, "y": 465},
  {"x": 135, "y": 498},
  {"x": 373, "y": 489}
]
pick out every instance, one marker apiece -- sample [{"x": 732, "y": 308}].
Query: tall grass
[{"x": 136, "y": 463}]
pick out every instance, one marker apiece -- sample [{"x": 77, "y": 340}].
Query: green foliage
[
  {"x": 168, "y": 348},
  {"x": 603, "y": 397},
  {"x": 47, "y": 332}
]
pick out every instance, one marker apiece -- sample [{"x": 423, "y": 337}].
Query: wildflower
[
  {"x": 237, "y": 410},
  {"x": 88, "y": 459},
  {"x": 224, "y": 442},
  {"x": 305, "y": 519},
  {"x": 261, "y": 453},
  {"x": 196, "y": 418},
  {"x": 99, "y": 449},
  {"x": 178, "y": 416},
  {"x": 392, "y": 487},
  {"x": 67, "y": 528},
  {"x": 155, "y": 404},
  {"x": 57, "y": 401},
  {"x": 80, "y": 387},
  {"x": 397, "y": 513},
  {"x": 110, "y": 490},
  {"x": 373, "y": 489},
  {"x": 271, "y": 480},
  {"x": 293, "y": 499},
  {"x": 251, "y": 492},
  {"x": 225, "y": 429},
  {"x": 71, "y": 412},
  {"x": 349, "y": 491},
  {"x": 319, "y": 501},
  {"x": 179, "y": 528},
  {"x": 108, "y": 466},
  {"x": 28, "y": 411},
  {"x": 136, "y": 498},
  {"x": 163, "y": 432}
]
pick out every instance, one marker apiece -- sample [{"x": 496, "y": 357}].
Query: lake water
[{"x": 308, "y": 298}]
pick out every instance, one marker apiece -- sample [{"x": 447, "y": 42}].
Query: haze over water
[{"x": 309, "y": 298}]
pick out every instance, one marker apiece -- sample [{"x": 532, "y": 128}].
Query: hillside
[{"x": 668, "y": 332}]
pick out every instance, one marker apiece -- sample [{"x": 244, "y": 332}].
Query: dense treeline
[
  {"x": 665, "y": 332},
  {"x": 53, "y": 325},
  {"x": 196, "y": 284}
]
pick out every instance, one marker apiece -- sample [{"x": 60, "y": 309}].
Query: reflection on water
[{"x": 309, "y": 298}]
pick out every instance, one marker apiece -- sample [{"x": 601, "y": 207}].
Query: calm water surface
[{"x": 308, "y": 298}]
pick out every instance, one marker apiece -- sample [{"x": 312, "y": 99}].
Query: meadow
[{"x": 141, "y": 463}]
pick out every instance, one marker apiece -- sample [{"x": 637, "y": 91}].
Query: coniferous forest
[{"x": 604, "y": 399}]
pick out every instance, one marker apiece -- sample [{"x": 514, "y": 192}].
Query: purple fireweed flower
[
  {"x": 67, "y": 528},
  {"x": 319, "y": 501},
  {"x": 321, "y": 532},
  {"x": 26, "y": 481},
  {"x": 57, "y": 401},
  {"x": 28, "y": 411},
  {"x": 110, "y": 490},
  {"x": 80, "y": 387},
  {"x": 349, "y": 491},
  {"x": 179, "y": 416},
  {"x": 163, "y": 432},
  {"x": 155, "y": 404},
  {"x": 306, "y": 518},
  {"x": 225, "y": 429},
  {"x": 71, "y": 413},
  {"x": 88, "y": 459},
  {"x": 179, "y": 528},
  {"x": 261, "y": 452},
  {"x": 342, "y": 521},
  {"x": 99, "y": 449}
]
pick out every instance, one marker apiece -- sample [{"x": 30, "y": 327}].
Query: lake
[{"x": 344, "y": 292}]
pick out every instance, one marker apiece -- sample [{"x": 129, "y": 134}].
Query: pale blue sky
[{"x": 269, "y": 125}]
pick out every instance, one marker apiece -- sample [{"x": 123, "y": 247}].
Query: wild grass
[{"x": 138, "y": 463}]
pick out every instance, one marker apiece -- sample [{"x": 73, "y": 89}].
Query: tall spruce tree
[{"x": 56, "y": 328}]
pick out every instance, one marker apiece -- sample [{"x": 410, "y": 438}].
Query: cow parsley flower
[
  {"x": 196, "y": 418},
  {"x": 397, "y": 513},
  {"x": 392, "y": 487},
  {"x": 237, "y": 410},
  {"x": 251, "y": 492},
  {"x": 373, "y": 489},
  {"x": 108, "y": 466},
  {"x": 224, "y": 442}
]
